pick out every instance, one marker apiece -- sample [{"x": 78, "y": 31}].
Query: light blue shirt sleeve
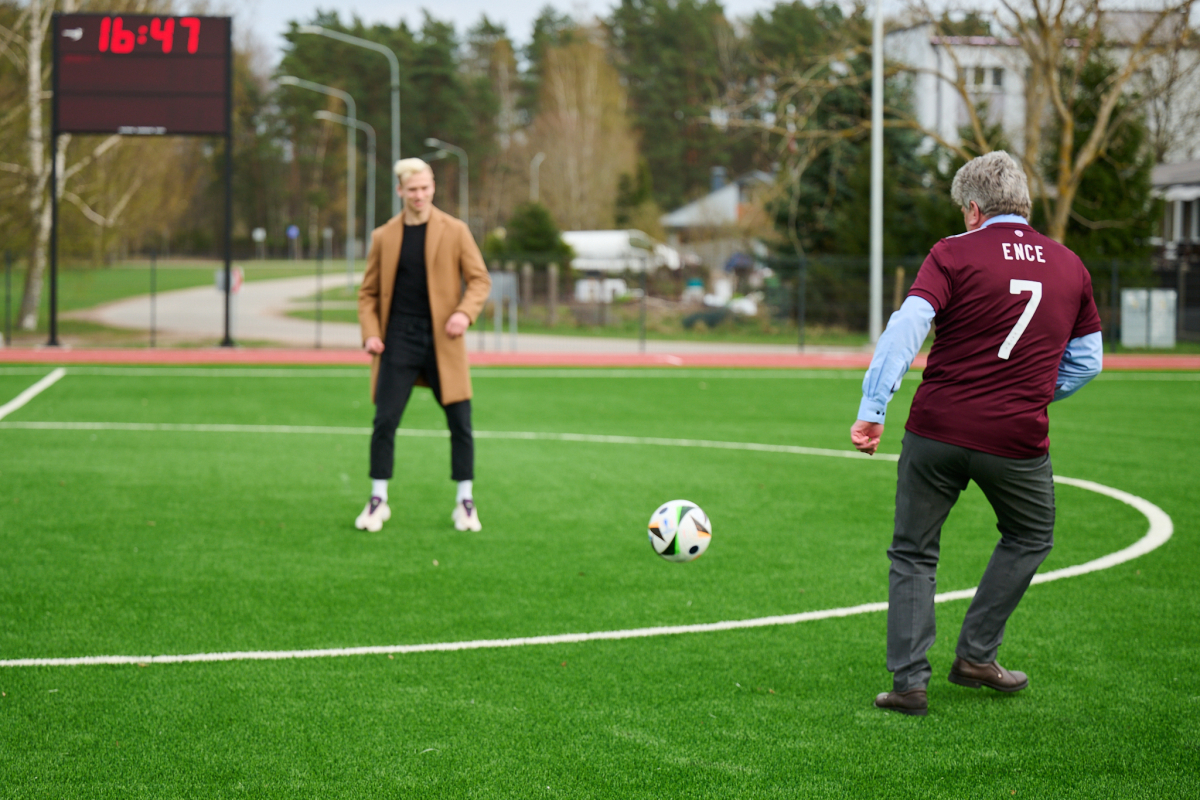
[
  {"x": 894, "y": 354},
  {"x": 1082, "y": 361}
]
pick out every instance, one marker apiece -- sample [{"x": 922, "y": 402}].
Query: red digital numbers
[
  {"x": 163, "y": 31},
  {"x": 193, "y": 26},
  {"x": 115, "y": 38}
]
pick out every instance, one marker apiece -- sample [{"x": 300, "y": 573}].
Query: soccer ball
[{"x": 680, "y": 531}]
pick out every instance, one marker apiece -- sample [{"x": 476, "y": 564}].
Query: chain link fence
[{"x": 771, "y": 303}]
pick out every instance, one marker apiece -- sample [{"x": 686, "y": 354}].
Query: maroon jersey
[{"x": 1007, "y": 301}]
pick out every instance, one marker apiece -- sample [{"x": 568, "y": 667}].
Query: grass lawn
[{"x": 124, "y": 537}]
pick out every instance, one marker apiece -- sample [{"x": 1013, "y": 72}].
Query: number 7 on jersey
[{"x": 1017, "y": 287}]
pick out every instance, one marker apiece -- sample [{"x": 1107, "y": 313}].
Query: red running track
[{"x": 237, "y": 356}]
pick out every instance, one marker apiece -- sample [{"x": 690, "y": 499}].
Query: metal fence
[
  {"x": 776, "y": 303},
  {"x": 807, "y": 302}
]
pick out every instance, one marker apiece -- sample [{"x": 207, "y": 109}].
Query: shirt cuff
[{"x": 872, "y": 411}]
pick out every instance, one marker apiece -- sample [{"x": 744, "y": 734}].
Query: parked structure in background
[
  {"x": 1179, "y": 187},
  {"x": 1179, "y": 243},
  {"x": 726, "y": 221},
  {"x": 619, "y": 251}
]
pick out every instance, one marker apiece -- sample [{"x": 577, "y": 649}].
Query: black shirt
[{"x": 411, "y": 294}]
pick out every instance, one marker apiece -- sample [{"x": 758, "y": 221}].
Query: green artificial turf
[{"x": 173, "y": 542}]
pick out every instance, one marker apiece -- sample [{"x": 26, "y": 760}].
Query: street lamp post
[
  {"x": 395, "y": 66},
  {"x": 329, "y": 116},
  {"x": 462, "y": 174},
  {"x": 875, "y": 315},
  {"x": 351, "y": 161},
  {"x": 534, "y": 171}
]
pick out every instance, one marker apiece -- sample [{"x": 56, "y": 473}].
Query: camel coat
[{"x": 451, "y": 259}]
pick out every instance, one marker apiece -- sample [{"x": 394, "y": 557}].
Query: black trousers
[
  {"x": 407, "y": 355},
  {"x": 931, "y": 476}
]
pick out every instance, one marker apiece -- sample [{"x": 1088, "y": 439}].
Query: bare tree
[
  {"x": 501, "y": 172},
  {"x": 583, "y": 128},
  {"x": 789, "y": 107},
  {"x": 23, "y": 46},
  {"x": 1171, "y": 86},
  {"x": 1055, "y": 40}
]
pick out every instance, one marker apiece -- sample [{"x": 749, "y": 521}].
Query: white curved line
[{"x": 1161, "y": 528}]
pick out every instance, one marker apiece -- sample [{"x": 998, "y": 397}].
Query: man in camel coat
[{"x": 414, "y": 309}]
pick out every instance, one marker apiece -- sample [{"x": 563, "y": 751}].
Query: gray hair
[
  {"x": 995, "y": 182},
  {"x": 405, "y": 168}
]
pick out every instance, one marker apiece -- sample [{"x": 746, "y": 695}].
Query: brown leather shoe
[
  {"x": 993, "y": 676},
  {"x": 913, "y": 702}
]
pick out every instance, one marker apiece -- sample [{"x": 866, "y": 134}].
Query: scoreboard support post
[
  {"x": 228, "y": 340},
  {"x": 53, "y": 341}
]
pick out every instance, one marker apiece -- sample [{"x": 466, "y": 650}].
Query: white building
[{"x": 995, "y": 70}]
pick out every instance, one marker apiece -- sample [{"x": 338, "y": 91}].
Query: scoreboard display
[{"x": 141, "y": 74}]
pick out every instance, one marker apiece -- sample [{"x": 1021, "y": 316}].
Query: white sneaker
[
  {"x": 373, "y": 516},
  {"x": 466, "y": 516}
]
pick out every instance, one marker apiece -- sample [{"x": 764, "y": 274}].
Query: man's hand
[
  {"x": 373, "y": 345},
  {"x": 457, "y": 325},
  {"x": 865, "y": 436}
]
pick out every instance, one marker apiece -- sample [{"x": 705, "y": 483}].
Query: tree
[
  {"x": 791, "y": 32},
  {"x": 1113, "y": 214},
  {"x": 675, "y": 57},
  {"x": 635, "y": 202},
  {"x": 1061, "y": 38},
  {"x": 494, "y": 83},
  {"x": 24, "y": 48},
  {"x": 1171, "y": 88},
  {"x": 583, "y": 129},
  {"x": 530, "y": 232},
  {"x": 550, "y": 29},
  {"x": 807, "y": 107},
  {"x": 1058, "y": 40}
]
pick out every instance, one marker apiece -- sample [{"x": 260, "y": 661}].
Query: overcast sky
[{"x": 269, "y": 18}]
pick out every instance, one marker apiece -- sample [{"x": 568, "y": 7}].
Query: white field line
[
  {"x": 1161, "y": 528},
  {"x": 32, "y": 392},
  {"x": 1148, "y": 376},
  {"x": 479, "y": 372},
  {"x": 533, "y": 372},
  {"x": 1160, "y": 531},
  {"x": 441, "y": 434}
]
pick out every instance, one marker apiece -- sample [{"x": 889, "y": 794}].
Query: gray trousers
[{"x": 930, "y": 477}]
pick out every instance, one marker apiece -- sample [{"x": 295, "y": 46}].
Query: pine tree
[{"x": 670, "y": 56}]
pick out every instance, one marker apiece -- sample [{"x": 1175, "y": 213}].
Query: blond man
[{"x": 424, "y": 285}]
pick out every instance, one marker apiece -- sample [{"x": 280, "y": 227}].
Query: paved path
[{"x": 260, "y": 315}]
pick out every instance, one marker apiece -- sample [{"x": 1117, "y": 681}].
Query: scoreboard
[{"x": 142, "y": 74}]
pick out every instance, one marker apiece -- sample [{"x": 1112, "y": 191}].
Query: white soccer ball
[{"x": 680, "y": 531}]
